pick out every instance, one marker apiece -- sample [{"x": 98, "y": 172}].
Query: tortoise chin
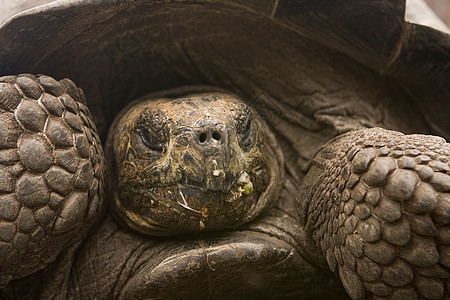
[{"x": 200, "y": 163}]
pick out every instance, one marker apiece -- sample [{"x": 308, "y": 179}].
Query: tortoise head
[{"x": 201, "y": 162}]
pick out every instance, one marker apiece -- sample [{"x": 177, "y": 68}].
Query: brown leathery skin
[
  {"x": 378, "y": 205},
  {"x": 200, "y": 162},
  {"x": 51, "y": 172}
]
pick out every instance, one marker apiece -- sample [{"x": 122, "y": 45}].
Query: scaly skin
[
  {"x": 378, "y": 205},
  {"x": 51, "y": 172}
]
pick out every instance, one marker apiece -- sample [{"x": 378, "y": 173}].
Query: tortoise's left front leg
[
  {"x": 51, "y": 176},
  {"x": 377, "y": 203}
]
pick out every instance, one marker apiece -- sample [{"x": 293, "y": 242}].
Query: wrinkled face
[{"x": 190, "y": 164}]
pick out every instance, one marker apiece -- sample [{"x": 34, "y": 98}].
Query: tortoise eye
[
  {"x": 246, "y": 136},
  {"x": 246, "y": 132},
  {"x": 151, "y": 140}
]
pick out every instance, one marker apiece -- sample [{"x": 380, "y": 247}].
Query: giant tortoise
[{"x": 276, "y": 149}]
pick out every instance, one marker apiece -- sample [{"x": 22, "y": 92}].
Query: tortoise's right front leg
[
  {"x": 51, "y": 172},
  {"x": 377, "y": 203}
]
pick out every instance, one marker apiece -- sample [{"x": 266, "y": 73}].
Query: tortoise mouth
[
  {"x": 241, "y": 186},
  {"x": 180, "y": 209},
  {"x": 240, "y": 183}
]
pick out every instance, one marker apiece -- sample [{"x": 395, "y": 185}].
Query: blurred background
[{"x": 441, "y": 8}]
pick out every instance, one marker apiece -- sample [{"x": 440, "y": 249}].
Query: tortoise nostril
[
  {"x": 209, "y": 138},
  {"x": 202, "y": 137},
  {"x": 216, "y": 135}
]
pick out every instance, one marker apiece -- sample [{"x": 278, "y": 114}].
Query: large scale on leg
[{"x": 379, "y": 208}]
